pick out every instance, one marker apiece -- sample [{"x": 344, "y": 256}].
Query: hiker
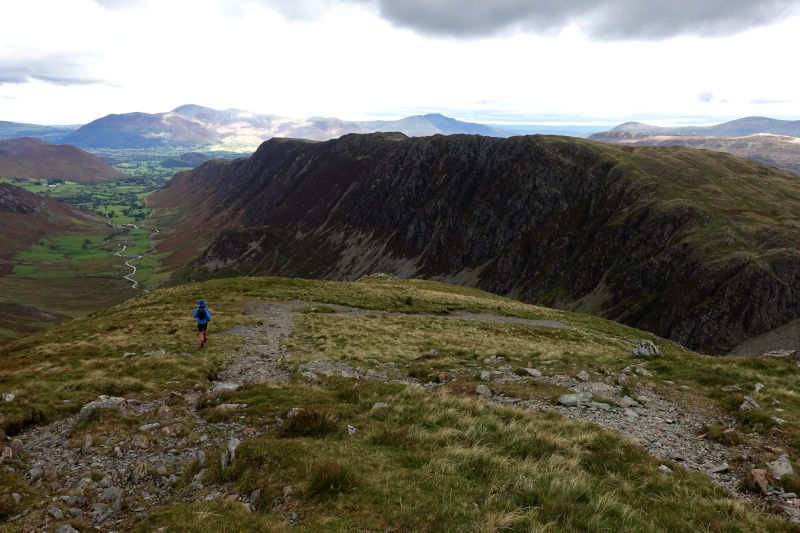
[{"x": 203, "y": 318}]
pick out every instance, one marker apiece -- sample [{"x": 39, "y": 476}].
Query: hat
[{"x": 202, "y": 303}]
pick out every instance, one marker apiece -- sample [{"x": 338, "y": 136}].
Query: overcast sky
[{"x": 568, "y": 61}]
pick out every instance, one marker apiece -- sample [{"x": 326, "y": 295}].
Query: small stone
[
  {"x": 730, "y": 388},
  {"x": 87, "y": 444},
  {"x": 778, "y": 420},
  {"x": 160, "y": 351},
  {"x": 55, "y": 512},
  {"x": 432, "y": 351},
  {"x": 294, "y": 411},
  {"x": 644, "y": 372},
  {"x": 232, "y": 406},
  {"x": 287, "y": 491},
  {"x": 756, "y": 480},
  {"x": 66, "y": 528},
  {"x": 75, "y": 512},
  {"x": 105, "y": 482},
  {"x": 225, "y": 459},
  {"x": 758, "y": 387},
  {"x": 351, "y": 430},
  {"x": 111, "y": 493},
  {"x": 50, "y": 472},
  {"x": 749, "y": 404},
  {"x": 8, "y": 397},
  {"x": 483, "y": 390},
  {"x": 255, "y": 495},
  {"x": 201, "y": 458},
  {"x": 128, "y": 354},
  {"x": 583, "y": 375},
  {"x": 780, "y": 467},
  {"x": 485, "y": 376},
  {"x": 225, "y": 386},
  {"x": 600, "y": 405},
  {"x": 571, "y": 400},
  {"x": 789, "y": 495},
  {"x": 627, "y": 401},
  {"x": 719, "y": 469},
  {"x": 6, "y": 455},
  {"x": 664, "y": 468},
  {"x": 631, "y": 415},
  {"x": 150, "y": 427},
  {"x": 380, "y": 405},
  {"x": 623, "y": 380},
  {"x": 213, "y": 496},
  {"x": 17, "y": 497}
]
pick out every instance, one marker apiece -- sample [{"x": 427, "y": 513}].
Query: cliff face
[{"x": 668, "y": 240}]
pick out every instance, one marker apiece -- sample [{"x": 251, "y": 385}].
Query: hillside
[
  {"x": 56, "y": 262},
  {"x": 11, "y": 130},
  {"x": 31, "y": 158},
  {"x": 734, "y": 128},
  {"x": 697, "y": 246},
  {"x": 779, "y": 151},
  {"x": 476, "y": 413},
  {"x": 26, "y": 217}
]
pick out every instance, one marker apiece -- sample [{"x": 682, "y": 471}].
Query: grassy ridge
[{"x": 431, "y": 462}]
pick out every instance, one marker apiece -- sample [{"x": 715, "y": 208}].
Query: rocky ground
[{"x": 107, "y": 479}]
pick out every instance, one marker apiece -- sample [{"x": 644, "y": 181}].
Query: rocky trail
[{"x": 109, "y": 477}]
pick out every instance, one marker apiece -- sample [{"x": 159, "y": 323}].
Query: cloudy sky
[{"x": 497, "y": 61}]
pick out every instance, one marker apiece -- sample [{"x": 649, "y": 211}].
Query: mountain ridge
[
  {"x": 735, "y": 128},
  {"x": 551, "y": 220}
]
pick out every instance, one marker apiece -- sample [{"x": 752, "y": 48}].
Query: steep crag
[{"x": 696, "y": 246}]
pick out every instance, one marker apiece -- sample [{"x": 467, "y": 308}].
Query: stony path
[{"x": 111, "y": 478}]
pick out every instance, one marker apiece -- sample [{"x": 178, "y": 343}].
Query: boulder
[
  {"x": 749, "y": 404},
  {"x": 572, "y": 400},
  {"x": 583, "y": 375},
  {"x": 627, "y": 401},
  {"x": 486, "y": 376},
  {"x": 645, "y": 348},
  {"x": 103, "y": 402},
  {"x": 623, "y": 380},
  {"x": 483, "y": 390},
  {"x": 533, "y": 372},
  {"x": 780, "y": 467}
]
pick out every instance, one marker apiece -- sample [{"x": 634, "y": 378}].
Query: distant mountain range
[
  {"x": 32, "y": 158},
  {"x": 11, "y": 130},
  {"x": 774, "y": 150},
  {"x": 735, "y": 128},
  {"x": 237, "y": 130},
  {"x": 698, "y": 246}
]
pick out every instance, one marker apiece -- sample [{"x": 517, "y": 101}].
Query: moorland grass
[
  {"x": 442, "y": 461},
  {"x": 439, "y": 462}
]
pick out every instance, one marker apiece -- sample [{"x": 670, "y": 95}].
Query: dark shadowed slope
[
  {"x": 31, "y": 158},
  {"x": 697, "y": 246}
]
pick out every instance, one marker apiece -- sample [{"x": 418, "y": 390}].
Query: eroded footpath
[{"x": 109, "y": 477}]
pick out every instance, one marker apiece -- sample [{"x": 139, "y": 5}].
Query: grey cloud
[
  {"x": 55, "y": 69},
  {"x": 600, "y": 19}
]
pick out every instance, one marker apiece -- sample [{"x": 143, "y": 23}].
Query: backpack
[{"x": 201, "y": 313}]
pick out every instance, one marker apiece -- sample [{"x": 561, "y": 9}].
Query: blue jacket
[{"x": 205, "y": 320}]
